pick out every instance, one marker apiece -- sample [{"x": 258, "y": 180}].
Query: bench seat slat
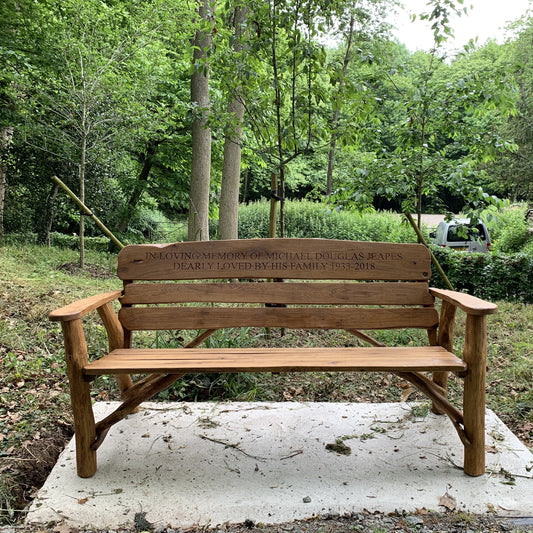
[
  {"x": 168, "y": 361},
  {"x": 163, "y": 318},
  {"x": 282, "y": 293}
]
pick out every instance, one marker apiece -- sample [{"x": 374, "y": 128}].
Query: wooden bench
[{"x": 328, "y": 284}]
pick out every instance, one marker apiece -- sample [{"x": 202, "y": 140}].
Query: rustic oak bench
[{"x": 328, "y": 284}]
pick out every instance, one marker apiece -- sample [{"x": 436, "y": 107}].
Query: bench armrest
[
  {"x": 80, "y": 308},
  {"x": 468, "y": 303}
]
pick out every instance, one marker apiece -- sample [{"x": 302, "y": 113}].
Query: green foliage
[
  {"x": 407, "y": 124},
  {"x": 509, "y": 230},
  {"x": 20, "y": 238},
  {"x": 214, "y": 385},
  {"x": 440, "y": 123},
  {"x": 495, "y": 276},
  {"x": 61, "y": 240},
  {"x": 319, "y": 220},
  {"x": 151, "y": 225},
  {"x": 510, "y": 175},
  {"x": 105, "y": 79}
]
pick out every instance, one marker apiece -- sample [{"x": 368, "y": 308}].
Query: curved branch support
[
  {"x": 435, "y": 394},
  {"x": 137, "y": 394},
  {"x": 201, "y": 338},
  {"x": 367, "y": 338}
]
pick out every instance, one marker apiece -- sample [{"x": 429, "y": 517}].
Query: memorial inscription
[{"x": 264, "y": 260}]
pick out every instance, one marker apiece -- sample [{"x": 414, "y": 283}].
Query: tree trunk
[
  {"x": 278, "y": 105},
  {"x": 231, "y": 170},
  {"x": 201, "y": 134},
  {"x": 140, "y": 185},
  {"x": 6, "y": 135},
  {"x": 82, "y": 198},
  {"x": 50, "y": 208},
  {"x": 273, "y": 206}
]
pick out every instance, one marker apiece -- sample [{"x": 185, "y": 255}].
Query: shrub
[
  {"x": 494, "y": 276},
  {"x": 509, "y": 230},
  {"x": 318, "y": 220},
  {"x": 20, "y": 238},
  {"x": 151, "y": 225},
  {"x": 98, "y": 244}
]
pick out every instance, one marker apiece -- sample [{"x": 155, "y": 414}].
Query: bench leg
[
  {"x": 475, "y": 355},
  {"x": 84, "y": 426}
]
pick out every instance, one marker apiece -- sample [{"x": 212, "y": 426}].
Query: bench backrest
[{"x": 329, "y": 284}]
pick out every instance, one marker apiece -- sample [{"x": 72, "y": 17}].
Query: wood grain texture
[
  {"x": 115, "y": 337},
  {"x": 275, "y": 258},
  {"x": 80, "y": 308},
  {"x": 444, "y": 339},
  {"x": 468, "y": 303},
  {"x": 84, "y": 426},
  {"x": 284, "y": 293},
  {"x": 275, "y": 360},
  {"x": 163, "y": 318},
  {"x": 475, "y": 356}
]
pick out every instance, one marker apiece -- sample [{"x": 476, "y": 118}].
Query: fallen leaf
[
  {"x": 448, "y": 501},
  {"x": 81, "y": 501},
  {"x": 491, "y": 449}
]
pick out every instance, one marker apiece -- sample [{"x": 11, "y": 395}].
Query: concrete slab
[{"x": 206, "y": 463}]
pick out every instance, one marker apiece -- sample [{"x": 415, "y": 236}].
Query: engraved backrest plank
[{"x": 275, "y": 258}]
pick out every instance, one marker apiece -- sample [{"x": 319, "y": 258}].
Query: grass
[{"x": 35, "y": 417}]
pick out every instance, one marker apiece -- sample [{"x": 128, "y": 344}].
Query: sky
[{"x": 486, "y": 20}]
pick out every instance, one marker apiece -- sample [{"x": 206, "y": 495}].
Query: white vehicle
[{"x": 459, "y": 234}]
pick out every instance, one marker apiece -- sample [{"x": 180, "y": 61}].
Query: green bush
[
  {"x": 98, "y": 244},
  {"x": 528, "y": 248},
  {"x": 317, "y": 220},
  {"x": 20, "y": 238},
  {"x": 495, "y": 276},
  {"x": 61, "y": 240},
  {"x": 509, "y": 230},
  {"x": 151, "y": 225}
]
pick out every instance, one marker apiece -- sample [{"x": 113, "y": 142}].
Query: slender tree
[
  {"x": 231, "y": 170},
  {"x": 201, "y": 133},
  {"x": 6, "y": 136}
]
